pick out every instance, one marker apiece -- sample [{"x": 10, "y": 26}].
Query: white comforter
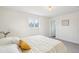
[
  {"x": 9, "y": 48},
  {"x": 9, "y": 45},
  {"x": 42, "y": 44}
]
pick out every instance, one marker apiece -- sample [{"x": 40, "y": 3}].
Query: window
[{"x": 33, "y": 23}]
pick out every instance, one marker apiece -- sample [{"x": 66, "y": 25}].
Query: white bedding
[
  {"x": 38, "y": 43},
  {"x": 9, "y": 48},
  {"x": 9, "y": 45},
  {"x": 9, "y": 40},
  {"x": 42, "y": 44}
]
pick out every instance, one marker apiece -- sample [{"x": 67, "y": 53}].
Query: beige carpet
[{"x": 71, "y": 47}]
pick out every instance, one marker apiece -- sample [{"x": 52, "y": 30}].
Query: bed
[
  {"x": 38, "y": 43},
  {"x": 43, "y": 44}
]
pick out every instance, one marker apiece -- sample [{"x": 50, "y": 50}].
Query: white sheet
[
  {"x": 9, "y": 48},
  {"x": 9, "y": 40},
  {"x": 42, "y": 44}
]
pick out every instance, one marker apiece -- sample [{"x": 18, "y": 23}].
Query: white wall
[
  {"x": 17, "y": 23},
  {"x": 71, "y": 32}
]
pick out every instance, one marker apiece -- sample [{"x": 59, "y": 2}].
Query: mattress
[{"x": 42, "y": 44}]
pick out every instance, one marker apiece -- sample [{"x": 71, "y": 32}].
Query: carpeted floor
[{"x": 71, "y": 47}]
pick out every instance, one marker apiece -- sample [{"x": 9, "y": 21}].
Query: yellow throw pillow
[{"x": 23, "y": 45}]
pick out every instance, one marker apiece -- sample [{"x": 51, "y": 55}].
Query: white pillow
[
  {"x": 9, "y": 40},
  {"x": 10, "y": 48}
]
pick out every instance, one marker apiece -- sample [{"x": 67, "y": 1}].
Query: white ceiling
[{"x": 43, "y": 10}]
